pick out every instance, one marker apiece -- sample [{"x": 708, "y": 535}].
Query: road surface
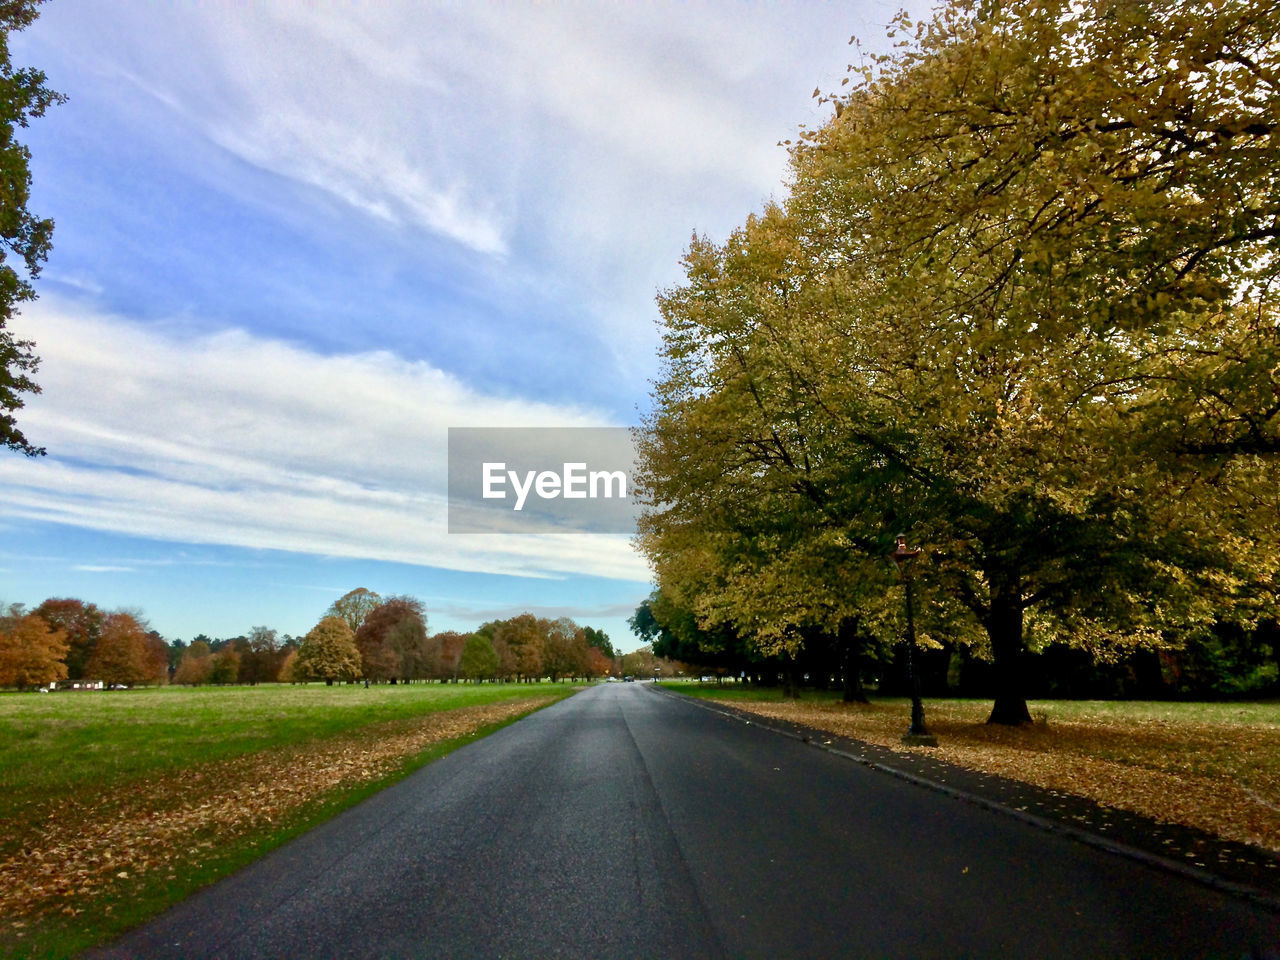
[{"x": 623, "y": 822}]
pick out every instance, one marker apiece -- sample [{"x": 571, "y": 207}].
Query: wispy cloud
[
  {"x": 233, "y": 439},
  {"x": 373, "y": 176},
  {"x": 573, "y": 145},
  {"x": 101, "y": 568}
]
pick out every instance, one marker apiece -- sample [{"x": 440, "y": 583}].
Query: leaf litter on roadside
[{"x": 89, "y": 846}]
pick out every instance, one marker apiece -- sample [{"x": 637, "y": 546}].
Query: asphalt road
[{"x": 626, "y": 823}]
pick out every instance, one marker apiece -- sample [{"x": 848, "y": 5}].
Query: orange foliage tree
[
  {"x": 121, "y": 655},
  {"x": 195, "y": 665},
  {"x": 81, "y": 623},
  {"x": 31, "y": 651}
]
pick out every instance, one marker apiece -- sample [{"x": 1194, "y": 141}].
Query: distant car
[
  {"x": 629, "y": 679},
  {"x": 611, "y": 680}
]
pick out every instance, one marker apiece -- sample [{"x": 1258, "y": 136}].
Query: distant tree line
[{"x": 360, "y": 637}]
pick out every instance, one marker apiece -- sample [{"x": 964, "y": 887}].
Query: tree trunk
[
  {"x": 1004, "y": 627},
  {"x": 851, "y": 661},
  {"x": 790, "y": 686}
]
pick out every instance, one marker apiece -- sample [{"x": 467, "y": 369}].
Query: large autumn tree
[
  {"x": 31, "y": 651},
  {"x": 1019, "y": 304},
  {"x": 23, "y": 236},
  {"x": 393, "y": 641},
  {"x": 523, "y": 640},
  {"x": 328, "y": 653},
  {"x": 353, "y": 606},
  {"x": 123, "y": 654},
  {"x": 81, "y": 623}
]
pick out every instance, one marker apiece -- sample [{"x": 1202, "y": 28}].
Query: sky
[{"x": 297, "y": 242}]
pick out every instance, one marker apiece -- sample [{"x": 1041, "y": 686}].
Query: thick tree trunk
[{"x": 1004, "y": 627}]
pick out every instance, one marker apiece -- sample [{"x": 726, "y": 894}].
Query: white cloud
[
  {"x": 101, "y": 568},
  {"x": 574, "y": 144},
  {"x": 233, "y": 439},
  {"x": 376, "y": 178}
]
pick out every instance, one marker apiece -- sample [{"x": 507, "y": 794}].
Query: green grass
[
  {"x": 50, "y": 744},
  {"x": 107, "y": 918},
  {"x": 98, "y": 743}
]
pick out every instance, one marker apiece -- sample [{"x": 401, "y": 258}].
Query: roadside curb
[{"x": 814, "y": 737}]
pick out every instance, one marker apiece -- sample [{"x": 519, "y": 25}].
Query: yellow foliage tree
[
  {"x": 328, "y": 653},
  {"x": 1020, "y": 305}
]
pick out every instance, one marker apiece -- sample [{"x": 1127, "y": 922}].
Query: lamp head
[{"x": 902, "y": 553}]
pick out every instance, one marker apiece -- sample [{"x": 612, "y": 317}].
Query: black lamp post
[{"x": 917, "y": 734}]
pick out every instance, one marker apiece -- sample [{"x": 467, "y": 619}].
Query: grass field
[
  {"x": 115, "y": 804},
  {"x": 1215, "y": 766}
]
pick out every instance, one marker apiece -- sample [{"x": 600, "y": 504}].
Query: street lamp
[{"x": 917, "y": 734}]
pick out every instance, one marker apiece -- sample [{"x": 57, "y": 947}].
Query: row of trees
[
  {"x": 66, "y": 639},
  {"x": 361, "y": 636},
  {"x": 1224, "y": 661},
  {"x": 1021, "y": 305}
]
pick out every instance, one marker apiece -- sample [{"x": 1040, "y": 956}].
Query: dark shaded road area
[{"x": 625, "y": 823}]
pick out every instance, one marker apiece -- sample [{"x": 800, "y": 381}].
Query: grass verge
[
  {"x": 1212, "y": 766},
  {"x": 97, "y": 856}
]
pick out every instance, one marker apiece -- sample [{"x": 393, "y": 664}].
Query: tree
[
  {"x": 600, "y": 640},
  {"x": 565, "y": 650},
  {"x": 23, "y": 95},
  {"x": 393, "y": 640},
  {"x": 1000, "y": 313},
  {"x": 81, "y": 623},
  {"x": 176, "y": 649},
  {"x": 328, "y": 653},
  {"x": 157, "y": 658},
  {"x": 478, "y": 660},
  {"x": 639, "y": 663},
  {"x": 525, "y": 637},
  {"x": 450, "y": 644},
  {"x": 260, "y": 656},
  {"x": 497, "y": 638},
  {"x": 122, "y": 655},
  {"x": 195, "y": 666},
  {"x": 224, "y": 666},
  {"x": 31, "y": 651},
  {"x": 286, "y": 674},
  {"x": 597, "y": 664},
  {"x": 354, "y": 606},
  {"x": 673, "y": 631}
]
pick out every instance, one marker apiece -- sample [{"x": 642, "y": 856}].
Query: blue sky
[{"x": 296, "y": 242}]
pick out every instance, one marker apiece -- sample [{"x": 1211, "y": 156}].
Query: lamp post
[{"x": 917, "y": 734}]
